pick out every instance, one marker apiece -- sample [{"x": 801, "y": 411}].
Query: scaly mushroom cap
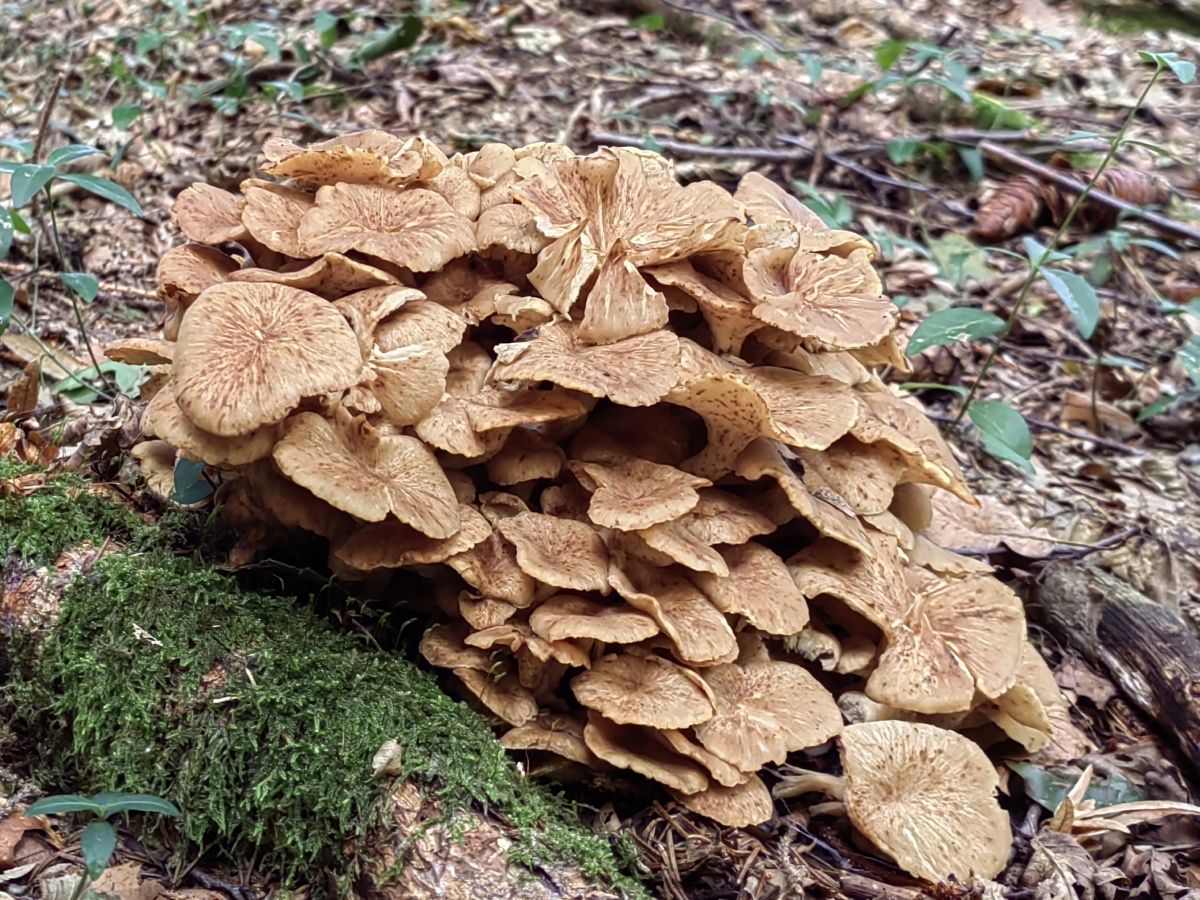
[
  {"x": 247, "y": 355},
  {"x": 644, "y": 690},
  {"x": 945, "y": 638},
  {"x": 273, "y": 214},
  {"x": 491, "y": 568},
  {"x": 738, "y": 806},
  {"x": 184, "y": 272},
  {"x": 559, "y": 552},
  {"x": 331, "y": 276},
  {"x": 164, "y": 419},
  {"x": 758, "y": 587},
  {"x": 637, "y": 493},
  {"x": 557, "y": 734},
  {"x": 361, "y": 157},
  {"x": 927, "y": 798},
  {"x": 573, "y": 617},
  {"x": 392, "y": 545},
  {"x": 141, "y": 351},
  {"x": 369, "y": 475},
  {"x": 414, "y": 228},
  {"x": 764, "y": 711},
  {"x": 631, "y": 747},
  {"x": 209, "y": 215}
]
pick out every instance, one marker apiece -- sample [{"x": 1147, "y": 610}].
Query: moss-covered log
[{"x": 136, "y": 668}]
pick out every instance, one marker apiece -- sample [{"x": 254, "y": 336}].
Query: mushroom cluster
[{"x": 631, "y": 433}]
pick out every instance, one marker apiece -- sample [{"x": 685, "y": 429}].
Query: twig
[
  {"x": 839, "y": 159},
  {"x": 39, "y": 142},
  {"x": 683, "y": 148},
  {"x": 1156, "y": 221},
  {"x": 1043, "y": 425}
]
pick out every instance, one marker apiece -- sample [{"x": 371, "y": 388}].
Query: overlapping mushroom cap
[{"x": 628, "y": 434}]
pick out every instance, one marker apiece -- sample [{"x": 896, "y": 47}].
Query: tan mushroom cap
[
  {"x": 1067, "y": 742},
  {"x": 720, "y": 771},
  {"x": 504, "y": 695},
  {"x": 698, "y": 631},
  {"x": 443, "y": 646},
  {"x": 766, "y": 202},
  {"x": 637, "y": 493},
  {"x": 393, "y": 545},
  {"x": 512, "y": 226},
  {"x": 185, "y": 271},
  {"x": 551, "y": 733},
  {"x": 560, "y": 552},
  {"x": 484, "y": 612},
  {"x": 927, "y": 798},
  {"x": 517, "y": 636},
  {"x": 573, "y": 617},
  {"x": 209, "y": 215},
  {"x": 635, "y": 748},
  {"x": 673, "y": 542},
  {"x": 729, "y": 315},
  {"x": 525, "y": 456},
  {"x": 738, "y": 806},
  {"x": 764, "y": 711},
  {"x": 362, "y": 157},
  {"x": 407, "y": 382},
  {"x": 491, "y": 568},
  {"x": 247, "y": 355},
  {"x": 331, "y": 276},
  {"x": 419, "y": 320},
  {"x": 156, "y": 461},
  {"x": 369, "y": 475},
  {"x": 164, "y": 419},
  {"x": 945, "y": 638},
  {"x": 458, "y": 190},
  {"x": 141, "y": 351},
  {"x": 365, "y": 309},
  {"x": 759, "y": 588},
  {"x": 721, "y": 517},
  {"x": 621, "y": 304},
  {"x": 637, "y": 371},
  {"x": 293, "y": 506},
  {"x": 836, "y": 303},
  {"x": 644, "y": 690},
  {"x": 273, "y": 214},
  {"x": 414, "y": 228}
]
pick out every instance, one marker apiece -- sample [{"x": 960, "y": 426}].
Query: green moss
[{"x": 258, "y": 719}]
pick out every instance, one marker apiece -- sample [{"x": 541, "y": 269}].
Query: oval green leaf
[
  {"x": 97, "y": 843},
  {"x": 946, "y": 326},
  {"x": 1079, "y": 296},
  {"x": 82, "y": 284},
  {"x": 27, "y": 180},
  {"x": 60, "y": 156},
  {"x": 114, "y": 802},
  {"x": 1004, "y": 433},
  {"x": 6, "y": 232},
  {"x": 102, "y": 187},
  {"x": 62, "y": 803},
  {"x": 7, "y": 297}
]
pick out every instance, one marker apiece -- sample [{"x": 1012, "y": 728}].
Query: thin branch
[
  {"x": 1156, "y": 221},
  {"x": 39, "y": 142},
  {"x": 683, "y": 148}
]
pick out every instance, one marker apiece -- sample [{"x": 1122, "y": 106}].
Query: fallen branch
[
  {"x": 684, "y": 148},
  {"x": 1158, "y": 222}
]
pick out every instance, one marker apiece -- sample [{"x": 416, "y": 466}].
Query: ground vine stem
[{"x": 1035, "y": 268}]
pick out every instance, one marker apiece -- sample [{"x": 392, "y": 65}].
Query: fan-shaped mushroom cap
[
  {"x": 360, "y": 157},
  {"x": 185, "y": 271},
  {"x": 141, "y": 351},
  {"x": 164, "y": 419},
  {"x": 444, "y": 646},
  {"x": 836, "y": 303},
  {"x": 418, "y": 320},
  {"x": 698, "y": 631},
  {"x": 764, "y": 711},
  {"x": 1066, "y": 742},
  {"x": 737, "y": 806},
  {"x": 459, "y": 191},
  {"x": 637, "y": 493},
  {"x": 572, "y": 617},
  {"x": 552, "y": 733},
  {"x": 247, "y": 355},
  {"x": 559, "y": 552},
  {"x": 491, "y": 568},
  {"x": 369, "y": 475},
  {"x": 484, "y": 612},
  {"x": 636, "y": 371},
  {"x": 273, "y": 214},
  {"x": 332, "y": 276},
  {"x": 672, "y": 542},
  {"x": 293, "y": 506},
  {"x": 407, "y": 382},
  {"x": 518, "y": 636},
  {"x": 864, "y": 475},
  {"x": 209, "y": 215},
  {"x": 631, "y": 747},
  {"x": 365, "y": 309},
  {"x": 512, "y": 226},
  {"x": 525, "y": 456},
  {"x": 766, "y": 202},
  {"x": 503, "y": 695},
  {"x": 729, "y": 315},
  {"x": 758, "y": 587},
  {"x": 927, "y": 798},
  {"x": 945, "y": 639},
  {"x": 644, "y": 690},
  {"x": 156, "y": 461},
  {"x": 414, "y": 228},
  {"x": 392, "y": 545},
  {"x": 722, "y": 772}
]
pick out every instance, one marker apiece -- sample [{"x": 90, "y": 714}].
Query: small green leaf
[
  {"x": 62, "y": 803},
  {"x": 104, "y": 188},
  {"x": 948, "y": 326},
  {"x": 902, "y": 150},
  {"x": 1039, "y": 253},
  {"x": 116, "y": 802},
  {"x": 933, "y": 386},
  {"x": 1049, "y": 787},
  {"x": 1157, "y": 408},
  {"x": 401, "y": 37},
  {"x": 889, "y": 52},
  {"x": 60, "y": 156},
  {"x": 22, "y": 147},
  {"x": 190, "y": 484},
  {"x": 83, "y": 285},
  {"x": 97, "y": 843},
  {"x": 1079, "y": 297},
  {"x": 7, "y": 297},
  {"x": 27, "y": 180},
  {"x": 6, "y": 232},
  {"x": 1003, "y": 431},
  {"x": 654, "y": 21},
  {"x": 1184, "y": 70},
  {"x": 129, "y": 378},
  {"x": 1189, "y": 357},
  {"x": 126, "y": 114},
  {"x": 972, "y": 160},
  {"x": 19, "y": 224},
  {"x": 959, "y": 260}
]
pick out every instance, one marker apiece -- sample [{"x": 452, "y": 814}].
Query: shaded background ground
[{"x": 175, "y": 93}]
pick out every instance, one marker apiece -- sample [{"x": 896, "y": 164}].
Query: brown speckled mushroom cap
[
  {"x": 644, "y": 690},
  {"x": 247, "y": 354}
]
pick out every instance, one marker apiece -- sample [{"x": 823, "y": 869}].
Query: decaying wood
[{"x": 1151, "y": 653}]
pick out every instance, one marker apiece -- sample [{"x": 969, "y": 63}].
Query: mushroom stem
[
  {"x": 829, "y": 808},
  {"x": 805, "y": 781},
  {"x": 857, "y": 708}
]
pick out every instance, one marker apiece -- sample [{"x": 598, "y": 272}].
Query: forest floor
[{"x": 896, "y": 120}]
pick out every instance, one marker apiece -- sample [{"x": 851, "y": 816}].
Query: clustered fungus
[{"x": 632, "y": 434}]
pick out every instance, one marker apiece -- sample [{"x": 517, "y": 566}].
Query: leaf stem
[{"x": 1036, "y": 265}]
